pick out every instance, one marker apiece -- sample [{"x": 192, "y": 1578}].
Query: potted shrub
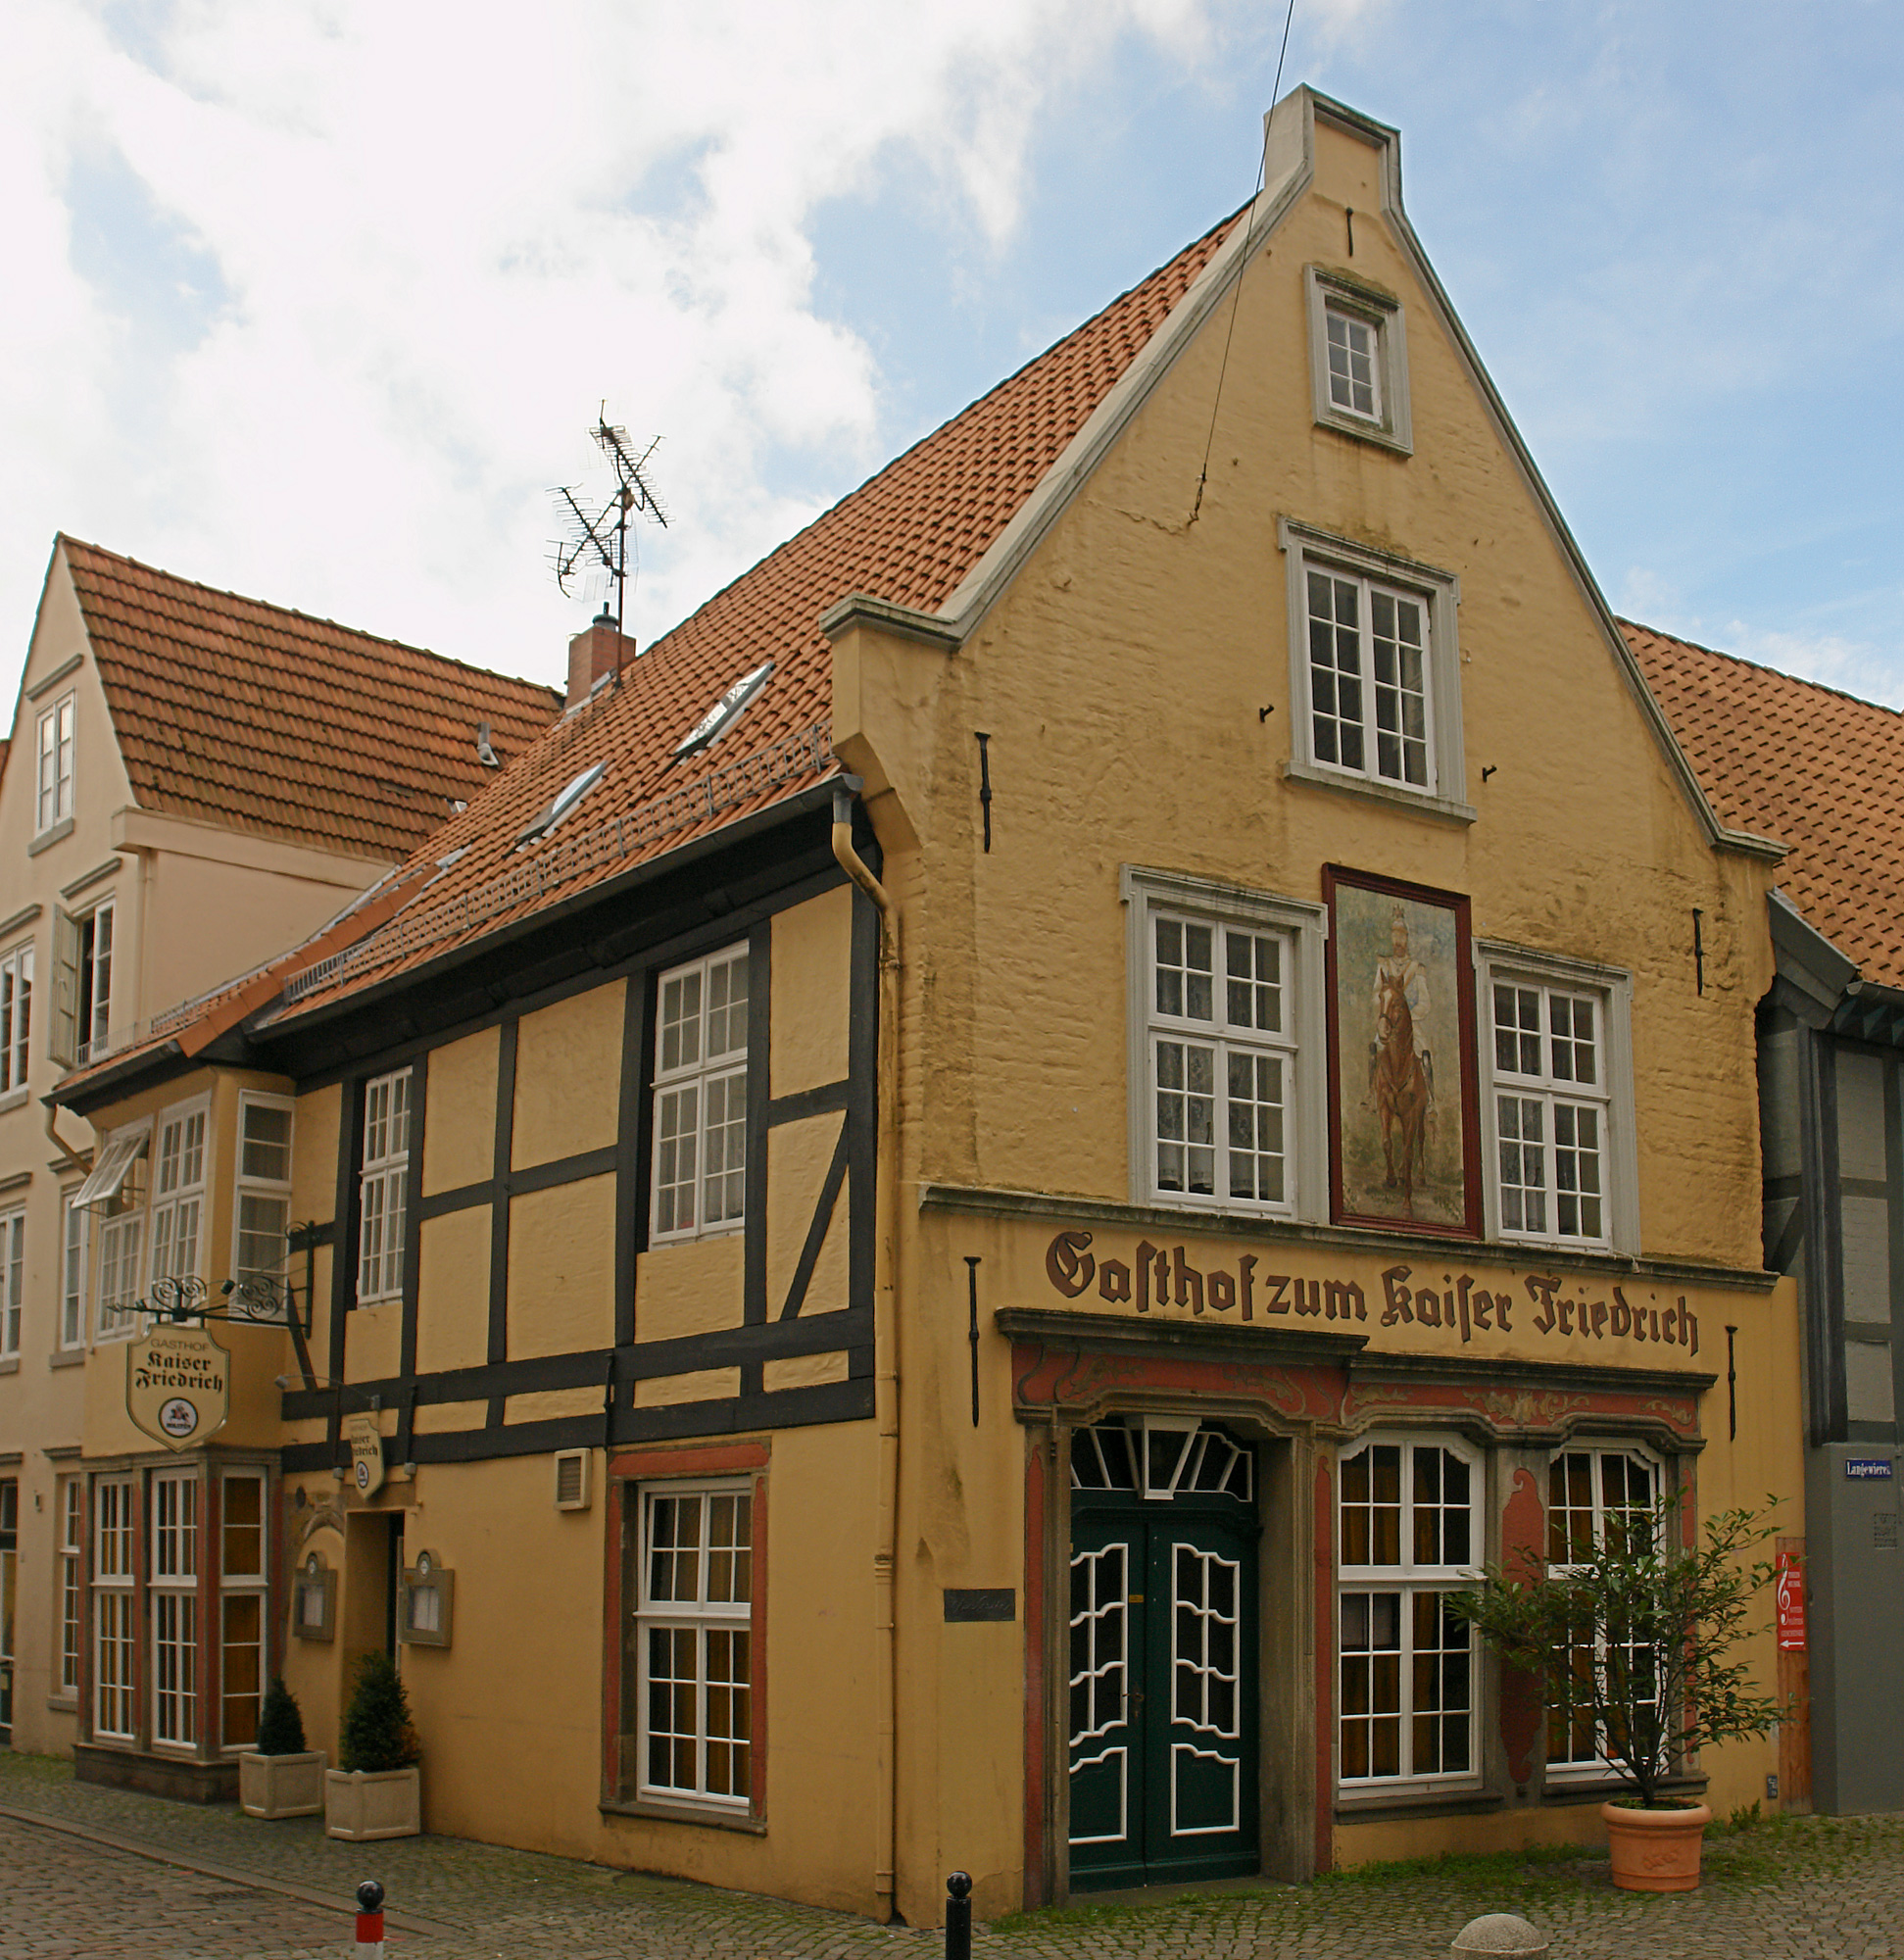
[
  {"x": 279, "y": 1777},
  {"x": 377, "y": 1792},
  {"x": 1639, "y": 1633}
]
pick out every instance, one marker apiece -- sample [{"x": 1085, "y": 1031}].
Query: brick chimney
[{"x": 595, "y": 653}]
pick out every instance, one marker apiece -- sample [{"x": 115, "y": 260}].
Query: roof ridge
[
  {"x": 294, "y": 612},
  {"x": 1758, "y": 666}
]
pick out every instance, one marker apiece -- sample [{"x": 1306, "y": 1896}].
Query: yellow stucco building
[{"x": 963, "y": 1198}]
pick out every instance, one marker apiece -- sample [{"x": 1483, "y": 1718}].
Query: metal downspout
[{"x": 886, "y": 1348}]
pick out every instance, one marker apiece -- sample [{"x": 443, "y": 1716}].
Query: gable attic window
[
  {"x": 565, "y": 799},
  {"x": 55, "y": 784},
  {"x": 723, "y": 716},
  {"x": 1358, "y": 359}
]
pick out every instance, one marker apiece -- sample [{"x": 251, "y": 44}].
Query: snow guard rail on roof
[{"x": 632, "y": 834}]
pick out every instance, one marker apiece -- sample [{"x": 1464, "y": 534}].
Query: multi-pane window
[
  {"x": 56, "y": 764},
  {"x": 93, "y": 998},
  {"x": 382, "y": 1192},
  {"x": 9, "y": 1590},
  {"x": 1222, "y": 1045},
  {"x": 264, "y": 1219},
  {"x": 694, "y": 1634},
  {"x": 115, "y": 1194},
  {"x": 173, "y": 1580},
  {"x": 72, "y": 1500},
  {"x": 1551, "y": 1108},
  {"x": 700, "y": 1097},
  {"x": 16, "y": 1016},
  {"x": 1369, "y": 700},
  {"x": 241, "y": 1606},
  {"x": 13, "y": 1280},
  {"x": 1354, "y": 370},
  {"x": 178, "y": 1194},
  {"x": 1590, "y": 1493},
  {"x": 113, "y": 1638},
  {"x": 72, "y": 1274},
  {"x": 1408, "y": 1520}
]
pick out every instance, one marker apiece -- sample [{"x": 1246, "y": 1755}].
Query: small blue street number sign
[{"x": 1866, "y": 1466}]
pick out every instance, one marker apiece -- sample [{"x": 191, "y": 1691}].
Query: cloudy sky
[{"x": 314, "y": 299}]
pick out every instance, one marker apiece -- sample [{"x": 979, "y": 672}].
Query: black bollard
[{"x": 959, "y": 1916}]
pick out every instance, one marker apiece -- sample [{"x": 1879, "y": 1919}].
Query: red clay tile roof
[
  {"x": 909, "y": 535},
  {"x": 1818, "y": 771},
  {"x": 232, "y": 712}
]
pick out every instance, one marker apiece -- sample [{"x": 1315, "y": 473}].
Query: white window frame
[
  {"x": 1584, "y": 1769},
  {"x": 260, "y": 1188},
  {"x": 1392, "y": 424},
  {"x": 1439, "y": 594},
  {"x": 82, "y": 1020},
  {"x": 54, "y": 746},
  {"x": 13, "y": 1279},
  {"x": 383, "y": 1186},
  {"x": 698, "y": 1076},
  {"x": 75, "y": 1220},
  {"x": 247, "y": 1587},
  {"x": 118, "y": 1251},
  {"x": 1302, "y": 929},
  {"x": 1611, "y": 990},
  {"x": 1407, "y": 1579},
  {"x": 181, "y": 1145},
  {"x": 704, "y": 1619},
  {"x": 115, "y": 1629},
  {"x": 70, "y": 1499},
  {"x": 16, "y": 1018},
  {"x": 176, "y": 1549}
]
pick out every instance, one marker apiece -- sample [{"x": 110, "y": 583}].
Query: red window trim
[{"x": 626, "y": 1470}]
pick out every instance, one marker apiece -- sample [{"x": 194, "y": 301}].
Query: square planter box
[
  {"x": 281, "y": 1786},
  {"x": 361, "y": 1804}
]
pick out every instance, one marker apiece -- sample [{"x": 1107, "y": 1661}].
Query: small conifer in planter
[
  {"x": 278, "y": 1777},
  {"x": 378, "y": 1793}
]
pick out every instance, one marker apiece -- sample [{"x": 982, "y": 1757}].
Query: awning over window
[{"x": 110, "y": 1173}]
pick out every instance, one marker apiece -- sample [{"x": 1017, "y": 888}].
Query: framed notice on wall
[{"x": 1404, "y": 1136}]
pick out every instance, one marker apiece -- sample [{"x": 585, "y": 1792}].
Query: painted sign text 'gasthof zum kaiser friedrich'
[{"x": 1152, "y": 1276}]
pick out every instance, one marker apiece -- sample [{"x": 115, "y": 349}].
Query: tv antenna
[{"x": 599, "y": 540}]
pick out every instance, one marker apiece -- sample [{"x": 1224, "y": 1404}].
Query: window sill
[
  {"x": 11, "y": 1365},
  {"x": 1417, "y": 1802},
  {"x": 48, "y": 838},
  {"x": 57, "y": 1704},
  {"x": 68, "y": 1357},
  {"x": 13, "y": 1099},
  {"x": 1417, "y": 801},
  {"x": 1380, "y": 434},
  {"x": 1564, "y": 1790},
  {"x": 684, "y": 1813}
]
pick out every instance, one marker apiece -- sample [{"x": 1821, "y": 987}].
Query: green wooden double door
[{"x": 1163, "y": 1644}]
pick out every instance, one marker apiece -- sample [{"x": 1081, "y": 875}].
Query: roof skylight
[
  {"x": 725, "y": 711},
  {"x": 565, "y": 799}
]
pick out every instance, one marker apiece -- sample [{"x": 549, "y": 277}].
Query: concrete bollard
[
  {"x": 1499, "y": 1935},
  {"x": 959, "y": 1916},
  {"x": 369, "y": 1920}
]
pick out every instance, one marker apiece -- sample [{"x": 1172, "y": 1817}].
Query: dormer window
[{"x": 728, "y": 710}]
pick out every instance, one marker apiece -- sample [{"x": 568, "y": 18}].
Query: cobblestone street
[{"x": 89, "y": 1872}]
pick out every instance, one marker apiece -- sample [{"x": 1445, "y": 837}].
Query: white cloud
[
  {"x": 1855, "y": 666},
  {"x": 314, "y": 298}
]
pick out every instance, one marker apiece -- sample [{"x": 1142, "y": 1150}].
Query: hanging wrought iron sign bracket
[{"x": 256, "y": 1302}]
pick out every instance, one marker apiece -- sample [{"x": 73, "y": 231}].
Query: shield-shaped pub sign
[{"x": 178, "y": 1385}]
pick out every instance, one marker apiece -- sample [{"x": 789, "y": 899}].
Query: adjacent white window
[
  {"x": 694, "y": 1634},
  {"x": 262, "y": 1222},
  {"x": 56, "y": 764},
  {"x": 382, "y": 1192},
  {"x": 178, "y": 1194},
  {"x": 699, "y": 1141},
  {"x": 174, "y": 1592},
  {"x": 73, "y": 1273},
  {"x": 83, "y": 985},
  {"x": 115, "y": 1194},
  {"x": 13, "y": 1280},
  {"x": 16, "y": 1016},
  {"x": 1591, "y": 1491},
  {"x": 72, "y": 1500},
  {"x": 1409, "y": 1518},
  {"x": 1557, "y": 1073},
  {"x": 1358, "y": 359},
  {"x": 1375, "y": 671},
  {"x": 113, "y": 1639},
  {"x": 1226, "y": 1060}
]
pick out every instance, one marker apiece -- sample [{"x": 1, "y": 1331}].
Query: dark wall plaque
[{"x": 984, "y": 1603}]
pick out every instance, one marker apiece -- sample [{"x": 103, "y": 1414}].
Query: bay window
[{"x": 114, "y": 1637}]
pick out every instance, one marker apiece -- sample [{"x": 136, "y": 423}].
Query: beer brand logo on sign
[
  {"x": 177, "y": 1386},
  {"x": 366, "y": 1440}
]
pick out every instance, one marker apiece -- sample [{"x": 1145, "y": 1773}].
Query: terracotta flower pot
[{"x": 1655, "y": 1850}]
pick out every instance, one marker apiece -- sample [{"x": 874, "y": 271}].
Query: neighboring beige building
[{"x": 196, "y": 780}]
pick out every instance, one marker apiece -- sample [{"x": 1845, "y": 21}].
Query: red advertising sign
[{"x": 1792, "y": 1602}]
